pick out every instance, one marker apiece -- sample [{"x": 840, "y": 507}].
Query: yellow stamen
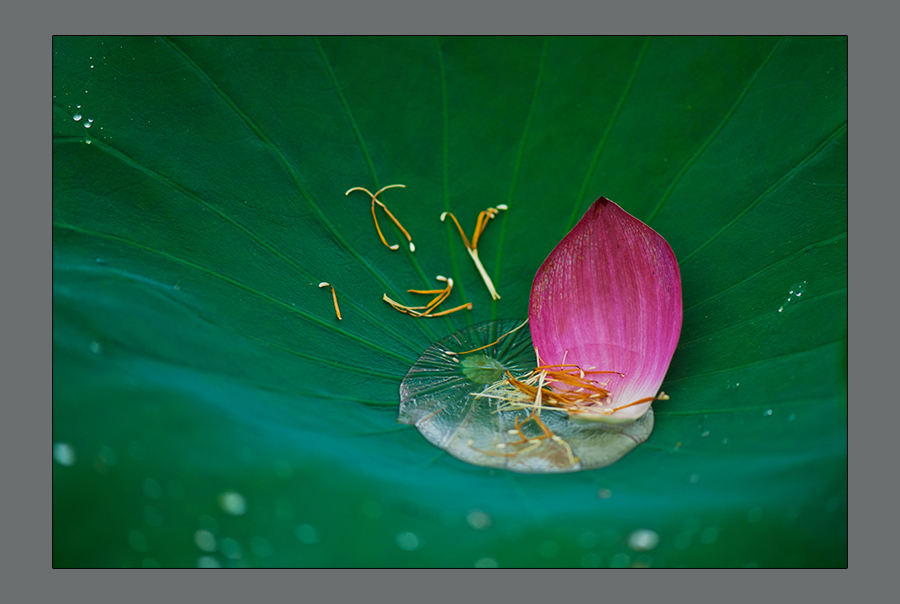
[
  {"x": 337, "y": 309},
  {"x": 450, "y": 352},
  {"x": 472, "y": 247},
  {"x": 375, "y": 200},
  {"x": 427, "y": 310},
  {"x": 466, "y": 306},
  {"x": 638, "y": 402}
]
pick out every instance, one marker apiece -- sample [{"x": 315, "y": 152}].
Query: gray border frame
[{"x": 27, "y": 262}]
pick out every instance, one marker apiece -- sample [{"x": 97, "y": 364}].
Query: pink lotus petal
[{"x": 608, "y": 297}]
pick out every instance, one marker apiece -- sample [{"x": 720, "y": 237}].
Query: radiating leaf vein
[
  {"x": 309, "y": 317},
  {"x": 517, "y": 165},
  {"x": 786, "y": 260},
  {"x": 772, "y": 188},
  {"x": 609, "y": 126},
  {"x": 112, "y": 151},
  {"x": 756, "y": 363},
  {"x": 288, "y": 166},
  {"x": 714, "y": 133}
]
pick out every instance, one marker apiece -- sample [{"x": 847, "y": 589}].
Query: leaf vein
[
  {"x": 690, "y": 162},
  {"x": 771, "y": 189},
  {"x": 272, "y": 300},
  {"x": 609, "y": 127}
]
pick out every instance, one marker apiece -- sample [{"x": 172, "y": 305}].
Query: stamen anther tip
[
  {"x": 502, "y": 206},
  {"x": 324, "y": 284},
  {"x": 412, "y": 246},
  {"x": 394, "y": 247}
]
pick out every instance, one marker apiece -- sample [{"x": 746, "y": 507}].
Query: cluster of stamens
[
  {"x": 562, "y": 387},
  {"x": 428, "y": 310}
]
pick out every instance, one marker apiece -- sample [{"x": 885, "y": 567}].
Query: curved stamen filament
[
  {"x": 637, "y": 402},
  {"x": 450, "y": 352},
  {"x": 337, "y": 309},
  {"x": 472, "y": 247},
  {"x": 428, "y": 309},
  {"x": 375, "y": 200}
]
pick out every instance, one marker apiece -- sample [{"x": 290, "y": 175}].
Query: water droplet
[
  {"x": 587, "y": 540},
  {"x": 245, "y": 455},
  {"x": 260, "y": 546},
  {"x": 77, "y": 116},
  {"x": 208, "y": 562},
  {"x": 205, "y": 540},
  {"x": 725, "y": 440},
  {"x": 643, "y": 540},
  {"x": 175, "y": 489},
  {"x": 151, "y": 488},
  {"x": 136, "y": 450},
  {"x": 486, "y": 563},
  {"x": 372, "y": 509},
  {"x": 63, "y": 454},
  {"x": 107, "y": 455},
  {"x": 233, "y": 503},
  {"x": 449, "y": 518},
  {"x": 283, "y": 468},
  {"x": 705, "y": 434},
  {"x": 230, "y": 548},
  {"x": 591, "y": 560},
  {"x": 78, "y": 107},
  {"x": 306, "y": 534},
  {"x": 795, "y": 292},
  {"x": 478, "y": 520},
  {"x": 709, "y": 535},
  {"x": 793, "y": 513},
  {"x": 549, "y": 549},
  {"x": 92, "y": 66},
  {"x": 690, "y": 526},
  {"x": 96, "y": 347},
  {"x": 138, "y": 541},
  {"x": 768, "y": 412},
  {"x": 407, "y": 541},
  {"x": 604, "y": 493},
  {"x": 87, "y": 124},
  {"x": 620, "y": 561},
  {"x": 792, "y": 417},
  {"x": 208, "y": 523},
  {"x": 694, "y": 478},
  {"x": 754, "y": 515},
  {"x": 152, "y": 516},
  {"x": 284, "y": 510}
]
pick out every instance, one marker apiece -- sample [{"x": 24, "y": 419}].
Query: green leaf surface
[{"x": 199, "y": 200}]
